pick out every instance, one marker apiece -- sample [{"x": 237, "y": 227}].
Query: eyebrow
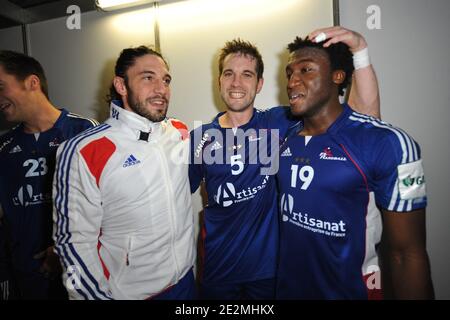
[
  {"x": 304, "y": 60},
  {"x": 299, "y": 61},
  {"x": 246, "y": 70},
  {"x": 153, "y": 73}
]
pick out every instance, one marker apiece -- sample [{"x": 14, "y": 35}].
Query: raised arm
[{"x": 364, "y": 94}]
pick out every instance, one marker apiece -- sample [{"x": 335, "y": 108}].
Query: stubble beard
[{"x": 139, "y": 108}]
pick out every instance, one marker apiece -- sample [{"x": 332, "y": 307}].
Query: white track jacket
[{"x": 123, "y": 220}]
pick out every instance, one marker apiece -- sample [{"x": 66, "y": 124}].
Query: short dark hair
[
  {"x": 339, "y": 55},
  {"x": 245, "y": 48},
  {"x": 126, "y": 60},
  {"x": 21, "y": 66}
]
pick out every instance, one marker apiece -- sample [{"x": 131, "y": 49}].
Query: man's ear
[
  {"x": 218, "y": 81},
  {"x": 32, "y": 82},
  {"x": 338, "y": 76},
  {"x": 119, "y": 84},
  {"x": 260, "y": 85}
]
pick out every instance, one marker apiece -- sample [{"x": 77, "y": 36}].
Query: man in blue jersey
[
  {"x": 336, "y": 172},
  {"x": 236, "y": 155},
  {"x": 27, "y": 155}
]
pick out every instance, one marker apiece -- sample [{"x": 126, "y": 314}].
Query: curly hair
[
  {"x": 243, "y": 47},
  {"x": 339, "y": 55}
]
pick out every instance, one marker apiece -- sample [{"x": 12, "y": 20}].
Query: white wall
[
  {"x": 411, "y": 56},
  {"x": 79, "y": 64},
  {"x": 194, "y": 31}
]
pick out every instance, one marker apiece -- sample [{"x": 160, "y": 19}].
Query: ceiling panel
[
  {"x": 31, "y": 3},
  {"x": 17, "y": 12}
]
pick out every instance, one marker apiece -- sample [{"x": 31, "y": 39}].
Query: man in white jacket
[{"x": 123, "y": 220}]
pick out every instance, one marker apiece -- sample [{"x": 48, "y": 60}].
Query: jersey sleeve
[
  {"x": 76, "y": 124},
  {"x": 398, "y": 172},
  {"x": 88, "y": 123},
  {"x": 77, "y": 215},
  {"x": 196, "y": 173}
]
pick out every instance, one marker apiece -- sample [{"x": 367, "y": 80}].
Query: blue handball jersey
[
  {"x": 331, "y": 186},
  {"x": 26, "y": 173},
  {"x": 239, "y": 233}
]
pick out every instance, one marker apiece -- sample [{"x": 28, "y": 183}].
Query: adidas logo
[
  {"x": 131, "y": 161},
  {"x": 16, "y": 149},
  {"x": 286, "y": 153},
  {"x": 216, "y": 146}
]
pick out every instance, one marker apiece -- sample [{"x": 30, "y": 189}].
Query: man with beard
[{"x": 123, "y": 221}]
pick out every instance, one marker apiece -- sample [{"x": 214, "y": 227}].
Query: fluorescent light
[{"x": 109, "y": 5}]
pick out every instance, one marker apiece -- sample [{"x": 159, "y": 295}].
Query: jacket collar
[{"x": 140, "y": 126}]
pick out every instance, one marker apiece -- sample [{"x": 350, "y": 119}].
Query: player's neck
[
  {"x": 233, "y": 119},
  {"x": 41, "y": 117},
  {"x": 321, "y": 120}
]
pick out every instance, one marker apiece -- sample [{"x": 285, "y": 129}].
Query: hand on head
[{"x": 354, "y": 40}]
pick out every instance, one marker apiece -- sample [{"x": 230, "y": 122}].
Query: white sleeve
[{"x": 77, "y": 217}]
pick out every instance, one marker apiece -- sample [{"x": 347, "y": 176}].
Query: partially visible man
[
  {"x": 123, "y": 220},
  {"x": 336, "y": 172},
  {"x": 236, "y": 155},
  {"x": 27, "y": 155}
]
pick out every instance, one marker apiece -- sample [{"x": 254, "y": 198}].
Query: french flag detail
[
  {"x": 182, "y": 128},
  {"x": 96, "y": 154}
]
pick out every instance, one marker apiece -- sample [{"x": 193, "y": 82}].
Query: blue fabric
[
  {"x": 185, "y": 289},
  {"x": 239, "y": 242}
]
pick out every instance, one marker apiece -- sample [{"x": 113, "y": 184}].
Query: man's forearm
[
  {"x": 364, "y": 94},
  {"x": 411, "y": 276}
]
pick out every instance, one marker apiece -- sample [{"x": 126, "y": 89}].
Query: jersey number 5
[
  {"x": 37, "y": 167},
  {"x": 306, "y": 175},
  {"x": 236, "y": 160}
]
